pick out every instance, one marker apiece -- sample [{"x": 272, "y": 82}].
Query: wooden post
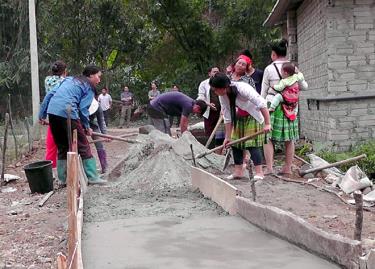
[
  {"x": 34, "y": 67},
  {"x": 75, "y": 141},
  {"x": 61, "y": 261},
  {"x": 252, "y": 180},
  {"x": 358, "y": 198},
  {"x": 4, "y": 148},
  {"x": 72, "y": 190},
  {"x": 192, "y": 154},
  {"x": 12, "y": 126},
  {"x": 29, "y": 140}
]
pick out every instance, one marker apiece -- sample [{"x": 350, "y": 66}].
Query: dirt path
[{"x": 31, "y": 236}]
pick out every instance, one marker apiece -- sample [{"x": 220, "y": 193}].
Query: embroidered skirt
[
  {"x": 283, "y": 129},
  {"x": 247, "y": 126}
]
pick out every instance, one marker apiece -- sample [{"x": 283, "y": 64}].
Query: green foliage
[
  {"x": 133, "y": 41},
  {"x": 367, "y": 164},
  {"x": 303, "y": 148}
]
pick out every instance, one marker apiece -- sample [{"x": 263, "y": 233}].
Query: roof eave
[{"x": 278, "y": 13}]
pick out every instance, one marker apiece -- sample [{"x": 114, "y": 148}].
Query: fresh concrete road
[{"x": 197, "y": 242}]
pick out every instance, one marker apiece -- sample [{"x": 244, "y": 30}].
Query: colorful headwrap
[{"x": 245, "y": 58}]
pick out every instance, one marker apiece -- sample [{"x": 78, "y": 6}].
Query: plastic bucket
[{"x": 39, "y": 175}]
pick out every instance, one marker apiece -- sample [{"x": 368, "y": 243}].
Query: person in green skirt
[
  {"x": 283, "y": 129},
  {"x": 245, "y": 112}
]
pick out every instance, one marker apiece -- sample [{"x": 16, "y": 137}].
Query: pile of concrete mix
[{"x": 160, "y": 161}]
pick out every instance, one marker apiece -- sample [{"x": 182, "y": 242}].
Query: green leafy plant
[{"x": 367, "y": 164}]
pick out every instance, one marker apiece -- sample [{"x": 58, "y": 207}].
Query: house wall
[
  {"x": 336, "y": 52},
  {"x": 313, "y": 61}
]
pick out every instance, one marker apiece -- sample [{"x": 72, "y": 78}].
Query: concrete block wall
[
  {"x": 350, "y": 38},
  {"x": 312, "y": 60},
  {"x": 336, "y": 52}
]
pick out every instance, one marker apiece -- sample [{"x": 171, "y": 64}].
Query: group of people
[
  {"x": 70, "y": 104},
  {"x": 249, "y": 101}
]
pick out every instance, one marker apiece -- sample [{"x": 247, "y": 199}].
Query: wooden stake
[
  {"x": 4, "y": 148},
  {"x": 358, "y": 198},
  {"x": 12, "y": 127},
  {"x": 75, "y": 141},
  {"x": 61, "y": 261},
  {"x": 192, "y": 154},
  {"x": 72, "y": 190},
  {"x": 313, "y": 170},
  {"x": 45, "y": 198}
]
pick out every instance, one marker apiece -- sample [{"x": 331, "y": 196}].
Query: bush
[{"x": 367, "y": 165}]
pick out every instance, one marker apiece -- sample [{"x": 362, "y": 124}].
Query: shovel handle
[
  {"x": 114, "y": 137},
  {"x": 214, "y": 131},
  {"x": 316, "y": 169},
  {"x": 245, "y": 138}
]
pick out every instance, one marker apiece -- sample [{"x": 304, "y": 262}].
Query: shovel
[
  {"x": 227, "y": 158},
  {"x": 243, "y": 139},
  {"x": 114, "y": 137}
]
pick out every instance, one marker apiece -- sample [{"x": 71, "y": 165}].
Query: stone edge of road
[{"x": 284, "y": 224}]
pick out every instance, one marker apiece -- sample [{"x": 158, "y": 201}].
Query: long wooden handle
[
  {"x": 313, "y": 170},
  {"x": 245, "y": 138},
  {"x": 214, "y": 131},
  {"x": 114, "y": 137}
]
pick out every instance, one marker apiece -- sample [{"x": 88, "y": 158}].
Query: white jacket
[
  {"x": 204, "y": 94},
  {"x": 247, "y": 99},
  {"x": 271, "y": 78}
]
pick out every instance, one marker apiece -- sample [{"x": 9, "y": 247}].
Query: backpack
[{"x": 290, "y": 96}]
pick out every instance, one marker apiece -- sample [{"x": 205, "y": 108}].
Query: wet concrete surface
[{"x": 198, "y": 241}]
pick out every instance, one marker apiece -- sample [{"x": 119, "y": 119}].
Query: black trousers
[{"x": 59, "y": 130}]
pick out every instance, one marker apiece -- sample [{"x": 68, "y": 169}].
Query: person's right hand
[
  {"x": 226, "y": 141},
  {"x": 212, "y": 105},
  {"x": 43, "y": 122}
]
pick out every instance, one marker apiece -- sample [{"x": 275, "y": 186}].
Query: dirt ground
[{"x": 31, "y": 236}]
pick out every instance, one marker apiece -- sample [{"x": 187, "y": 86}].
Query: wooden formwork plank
[
  {"x": 72, "y": 190},
  {"x": 79, "y": 229}
]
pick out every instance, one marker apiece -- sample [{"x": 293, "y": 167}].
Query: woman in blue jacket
[{"x": 76, "y": 93}]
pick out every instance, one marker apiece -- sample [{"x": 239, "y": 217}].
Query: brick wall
[
  {"x": 312, "y": 60},
  {"x": 336, "y": 52}
]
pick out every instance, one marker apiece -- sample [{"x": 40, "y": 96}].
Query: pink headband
[{"x": 245, "y": 58}]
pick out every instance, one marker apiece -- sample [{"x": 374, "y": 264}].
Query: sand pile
[{"x": 160, "y": 162}]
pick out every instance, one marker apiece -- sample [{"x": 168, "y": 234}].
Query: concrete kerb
[
  {"x": 339, "y": 249},
  {"x": 216, "y": 189},
  {"x": 286, "y": 225}
]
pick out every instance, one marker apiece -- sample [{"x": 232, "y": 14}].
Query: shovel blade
[{"x": 227, "y": 158}]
